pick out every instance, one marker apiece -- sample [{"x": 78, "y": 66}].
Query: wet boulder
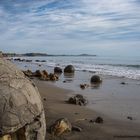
[
  {"x": 57, "y": 70},
  {"x": 41, "y": 74},
  {"x": 53, "y": 77},
  {"x": 45, "y": 73},
  {"x": 69, "y": 69},
  {"x": 95, "y": 79},
  {"x": 38, "y": 73},
  {"x": 60, "y": 126},
  {"x": 77, "y": 100}
]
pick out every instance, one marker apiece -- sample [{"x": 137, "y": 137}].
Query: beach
[
  {"x": 54, "y": 100},
  {"x": 116, "y": 100}
]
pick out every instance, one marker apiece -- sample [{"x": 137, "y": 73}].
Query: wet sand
[{"x": 55, "y": 107}]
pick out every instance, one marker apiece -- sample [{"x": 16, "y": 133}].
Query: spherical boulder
[
  {"x": 21, "y": 107},
  {"x": 57, "y": 70},
  {"x": 69, "y": 69},
  {"x": 95, "y": 79}
]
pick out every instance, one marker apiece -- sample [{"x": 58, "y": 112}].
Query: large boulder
[
  {"x": 57, "y": 70},
  {"x": 21, "y": 108},
  {"x": 95, "y": 79},
  {"x": 69, "y": 69}
]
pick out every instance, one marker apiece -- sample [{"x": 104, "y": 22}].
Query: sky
[{"x": 104, "y": 27}]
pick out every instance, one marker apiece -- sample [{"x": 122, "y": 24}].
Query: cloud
[{"x": 39, "y": 22}]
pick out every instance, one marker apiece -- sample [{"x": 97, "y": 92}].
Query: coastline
[{"x": 55, "y": 107}]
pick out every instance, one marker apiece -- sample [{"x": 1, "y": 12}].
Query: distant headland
[{"x": 39, "y": 54}]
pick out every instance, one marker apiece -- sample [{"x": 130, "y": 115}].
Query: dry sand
[{"x": 55, "y": 107}]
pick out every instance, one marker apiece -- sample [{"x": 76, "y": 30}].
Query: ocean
[{"x": 128, "y": 67}]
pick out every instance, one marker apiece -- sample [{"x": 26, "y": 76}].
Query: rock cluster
[
  {"x": 22, "y": 60},
  {"x": 42, "y": 75}
]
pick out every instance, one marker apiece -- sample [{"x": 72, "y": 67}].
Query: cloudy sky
[{"x": 70, "y": 26}]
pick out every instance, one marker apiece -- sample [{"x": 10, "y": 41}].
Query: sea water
[{"x": 128, "y": 67}]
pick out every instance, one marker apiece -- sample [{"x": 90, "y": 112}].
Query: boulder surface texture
[{"x": 20, "y": 104}]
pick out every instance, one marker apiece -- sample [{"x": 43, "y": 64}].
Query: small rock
[
  {"x": 60, "y": 126},
  {"x": 83, "y": 86},
  {"x": 123, "y": 83},
  {"x": 97, "y": 120},
  {"x": 129, "y": 118}
]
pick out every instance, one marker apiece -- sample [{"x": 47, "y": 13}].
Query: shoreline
[{"x": 55, "y": 107}]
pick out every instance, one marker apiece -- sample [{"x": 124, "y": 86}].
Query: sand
[{"x": 54, "y": 100}]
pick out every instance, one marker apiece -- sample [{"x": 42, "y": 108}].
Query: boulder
[
  {"x": 95, "y": 79},
  {"x": 22, "y": 113},
  {"x": 53, "y": 77},
  {"x": 77, "y": 100},
  {"x": 38, "y": 73},
  {"x": 69, "y": 69},
  {"x": 60, "y": 126},
  {"x": 57, "y": 70}
]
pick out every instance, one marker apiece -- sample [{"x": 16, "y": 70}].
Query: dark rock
[
  {"x": 43, "y": 60},
  {"x": 57, "y": 70},
  {"x": 76, "y": 128},
  {"x": 28, "y": 73},
  {"x": 97, "y": 120},
  {"x": 37, "y": 60},
  {"x": 28, "y": 60},
  {"x": 69, "y": 69},
  {"x": 123, "y": 83},
  {"x": 77, "y": 100},
  {"x": 83, "y": 86},
  {"x": 129, "y": 118},
  {"x": 95, "y": 79}
]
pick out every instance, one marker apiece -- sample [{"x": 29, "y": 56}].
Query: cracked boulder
[
  {"x": 77, "y": 100},
  {"x": 21, "y": 110}
]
